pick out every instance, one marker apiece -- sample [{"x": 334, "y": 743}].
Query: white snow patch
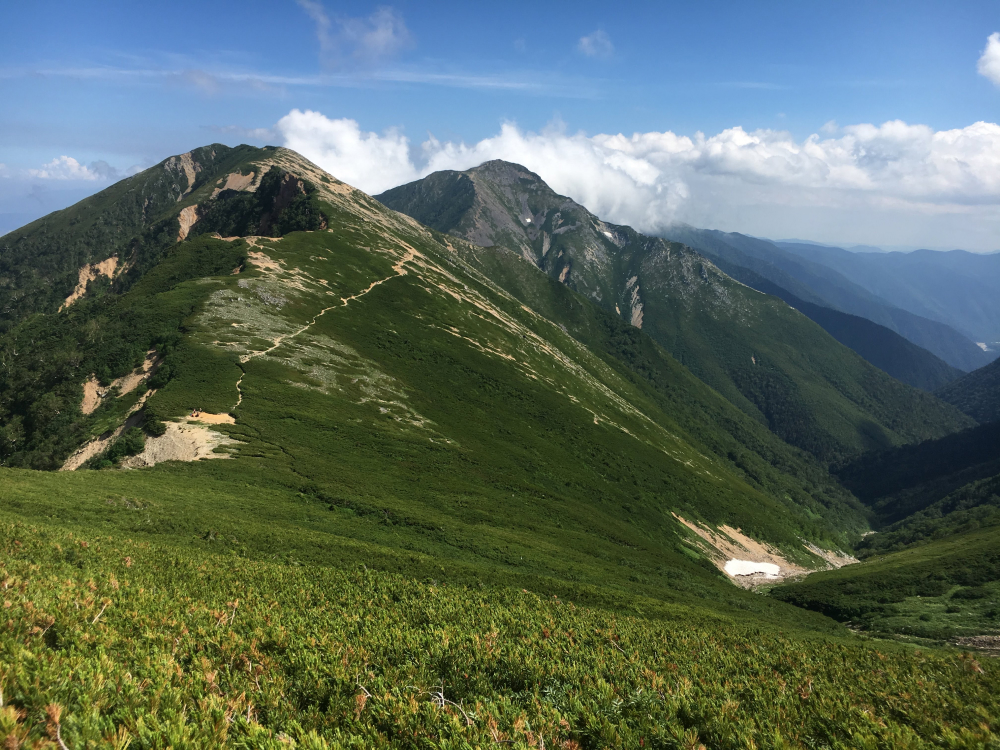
[
  {"x": 982, "y": 345},
  {"x": 747, "y": 568}
]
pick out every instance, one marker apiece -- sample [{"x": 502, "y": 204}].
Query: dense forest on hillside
[{"x": 977, "y": 394}]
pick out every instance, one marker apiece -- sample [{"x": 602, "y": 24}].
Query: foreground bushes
[{"x": 128, "y": 644}]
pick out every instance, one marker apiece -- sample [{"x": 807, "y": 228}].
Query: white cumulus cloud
[
  {"x": 68, "y": 168},
  {"x": 876, "y": 178},
  {"x": 65, "y": 168},
  {"x": 597, "y": 44},
  {"x": 376, "y": 162},
  {"x": 989, "y": 62}
]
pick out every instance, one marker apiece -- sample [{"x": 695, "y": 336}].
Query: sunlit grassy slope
[
  {"x": 389, "y": 395},
  {"x": 939, "y": 589},
  {"x": 113, "y": 642}
]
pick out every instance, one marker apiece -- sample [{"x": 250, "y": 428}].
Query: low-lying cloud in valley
[{"x": 893, "y": 183}]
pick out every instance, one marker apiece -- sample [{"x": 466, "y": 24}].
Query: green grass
[
  {"x": 911, "y": 592},
  {"x": 114, "y": 642}
]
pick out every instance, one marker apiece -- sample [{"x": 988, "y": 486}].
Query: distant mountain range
[
  {"x": 957, "y": 288},
  {"x": 881, "y": 346},
  {"x": 805, "y": 277}
]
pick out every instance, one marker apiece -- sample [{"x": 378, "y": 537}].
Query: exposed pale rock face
[{"x": 88, "y": 273}]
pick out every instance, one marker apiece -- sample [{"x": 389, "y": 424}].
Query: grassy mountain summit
[{"x": 769, "y": 360}]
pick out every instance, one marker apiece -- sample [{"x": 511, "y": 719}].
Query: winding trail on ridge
[{"x": 398, "y": 267}]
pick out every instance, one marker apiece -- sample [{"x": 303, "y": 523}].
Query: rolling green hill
[{"x": 767, "y": 359}]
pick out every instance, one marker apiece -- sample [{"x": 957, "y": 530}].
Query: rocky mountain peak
[{"x": 506, "y": 173}]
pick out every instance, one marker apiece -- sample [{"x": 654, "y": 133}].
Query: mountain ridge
[
  {"x": 236, "y": 318},
  {"x": 955, "y": 287},
  {"x": 728, "y": 334}
]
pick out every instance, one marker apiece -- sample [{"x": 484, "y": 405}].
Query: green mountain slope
[
  {"x": 812, "y": 281},
  {"x": 977, "y": 394},
  {"x": 902, "y": 481},
  {"x": 941, "y": 590},
  {"x": 133, "y": 221},
  {"x": 931, "y": 570},
  {"x": 385, "y": 390},
  {"x": 880, "y": 346},
  {"x": 973, "y": 506},
  {"x": 929, "y": 491},
  {"x": 768, "y": 360}
]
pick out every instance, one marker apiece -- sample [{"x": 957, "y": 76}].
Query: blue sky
[{"x": 126, "y": 84}]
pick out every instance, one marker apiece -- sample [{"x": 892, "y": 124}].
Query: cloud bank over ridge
[{"x": 894, "y": 183}]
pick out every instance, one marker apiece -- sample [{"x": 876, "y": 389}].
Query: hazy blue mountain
[
  {"x": 819, "y": 284},
  {"x": 956, "y": 287}
]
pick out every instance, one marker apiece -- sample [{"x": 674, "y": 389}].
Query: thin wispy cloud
[
  {"x": 263, "y": 135},
  {"x": 317, "y": 13},
  {"x": 598, "y": 44},
  {"x": 368, "y": 41},
  {"x": 212, "y": 82}
]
